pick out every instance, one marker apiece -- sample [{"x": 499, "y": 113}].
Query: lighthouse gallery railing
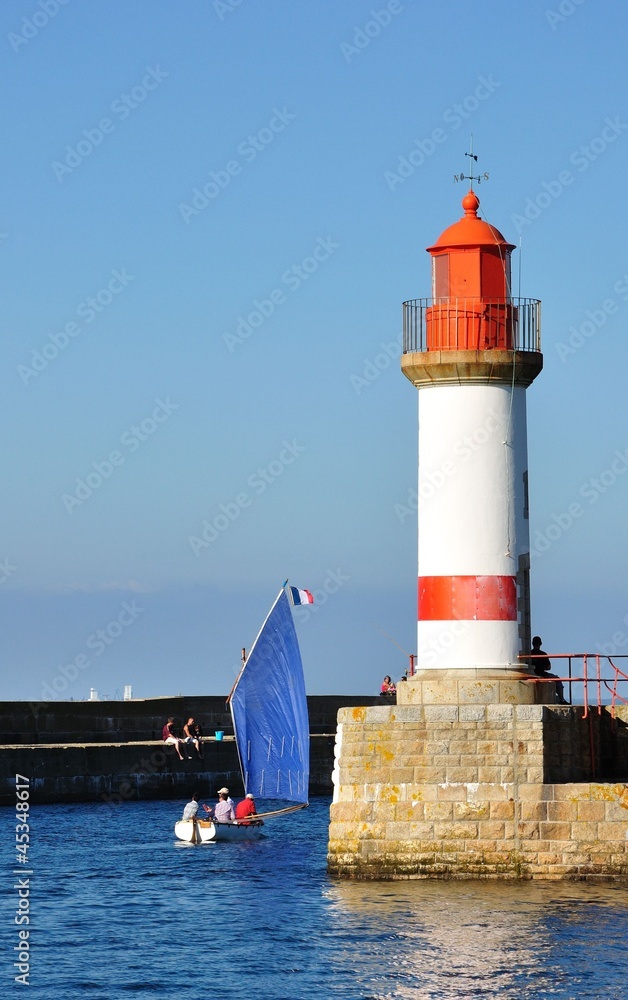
[{"x": 471, "y": 323}]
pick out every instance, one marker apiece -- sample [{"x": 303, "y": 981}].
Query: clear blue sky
[{"x": 171, "y": 169}]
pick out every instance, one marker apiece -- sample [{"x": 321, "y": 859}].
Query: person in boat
[
  {"x": 245, "y": 809},
  {"x": 191, "y": 809},
  {"x": 169, "y": 736},
  {"x": 192, "y": 734},
  {"x": 388, "y": 688},
  {"x": 229, "y": 799},
  {"x": 542, "y": 666},
  {"x": 223, "y": 811}
]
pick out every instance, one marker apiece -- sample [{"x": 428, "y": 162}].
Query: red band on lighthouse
[{"x": 467, "y": 598}]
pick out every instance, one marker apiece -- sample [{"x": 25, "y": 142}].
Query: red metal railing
[{"x": 594, "y": 676}]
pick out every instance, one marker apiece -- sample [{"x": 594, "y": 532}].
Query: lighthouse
[
  {"x": 472, "y": 350},
  {"x": 475, "y": 771}
]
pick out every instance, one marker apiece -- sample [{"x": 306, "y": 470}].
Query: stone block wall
[{"x": 463, "y": 791}]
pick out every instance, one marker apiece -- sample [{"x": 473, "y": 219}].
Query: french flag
[{"x": 300, "y": 596}]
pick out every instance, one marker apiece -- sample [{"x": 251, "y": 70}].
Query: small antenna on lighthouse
[{"x": 471, "y": 177}]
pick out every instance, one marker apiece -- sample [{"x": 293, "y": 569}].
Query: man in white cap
[
  {"x": 223, "y": 810},
  {"x": 245, "y": 808},
  {"x": 225, "y": 791}
]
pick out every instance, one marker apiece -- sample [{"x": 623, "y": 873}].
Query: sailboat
[{"x": 270, "y": 721}]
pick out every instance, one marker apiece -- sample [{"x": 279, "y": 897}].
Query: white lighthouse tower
[{"x": 472, "y": 350}]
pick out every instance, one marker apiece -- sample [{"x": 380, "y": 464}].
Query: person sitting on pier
[
  {"x": 169, "y": 736},
  {"x": 388, "y": 688},
  {"x": 542, "y": 665},
  {"x": 222, "y": 812},
  {"x": 246, "y": 808},
  {"x": 192, "y": 733}
]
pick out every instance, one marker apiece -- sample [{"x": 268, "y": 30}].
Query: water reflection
[{"x": 475, "y": 939}]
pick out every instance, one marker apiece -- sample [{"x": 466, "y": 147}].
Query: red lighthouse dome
[{"x": 470, "y": 286}]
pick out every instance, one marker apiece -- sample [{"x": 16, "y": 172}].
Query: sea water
[{"x": 118, "y": 907}]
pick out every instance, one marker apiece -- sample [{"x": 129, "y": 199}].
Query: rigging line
[
  {"x": 380, "y": 629},
  {"x": 519, "y": 269},
  {"x": 509, "y": 426}
]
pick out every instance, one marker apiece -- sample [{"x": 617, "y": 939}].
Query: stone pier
[
  {"x": 477, "y": 788},
  {"x": 112, "y": 751}
]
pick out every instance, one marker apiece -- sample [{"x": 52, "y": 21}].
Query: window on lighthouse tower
[
  {"x": 440, "y": 276},
  {"x": 495, "y": 277}
]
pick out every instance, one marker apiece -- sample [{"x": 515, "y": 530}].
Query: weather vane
[{"x": 471, "y": 177}]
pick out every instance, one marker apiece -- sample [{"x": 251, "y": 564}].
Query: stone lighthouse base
[
  {"x": 479, "y": 790},
  {"x": 472, "y": 686}
]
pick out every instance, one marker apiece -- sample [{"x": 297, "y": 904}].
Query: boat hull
[{"x": 205, "y": 831}]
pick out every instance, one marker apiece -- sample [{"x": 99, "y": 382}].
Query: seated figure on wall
[
  {"x": 169, "y": 736},
  {"x": 192, "y": 734},
  {"x": 542, "y": 666}
]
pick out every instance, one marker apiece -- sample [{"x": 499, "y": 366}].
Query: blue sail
[{"x": 269, "y": 711}]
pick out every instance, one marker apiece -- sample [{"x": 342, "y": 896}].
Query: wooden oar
[
  {"x": 247, "y": 820},
  {"x": 275, "y": 812}
]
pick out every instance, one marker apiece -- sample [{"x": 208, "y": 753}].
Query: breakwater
[
  {"x": 480, "y": 791},
  {"x": 112, "y": 751}
]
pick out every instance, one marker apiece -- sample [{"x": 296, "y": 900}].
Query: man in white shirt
[{"x": 191, "y": 808}]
